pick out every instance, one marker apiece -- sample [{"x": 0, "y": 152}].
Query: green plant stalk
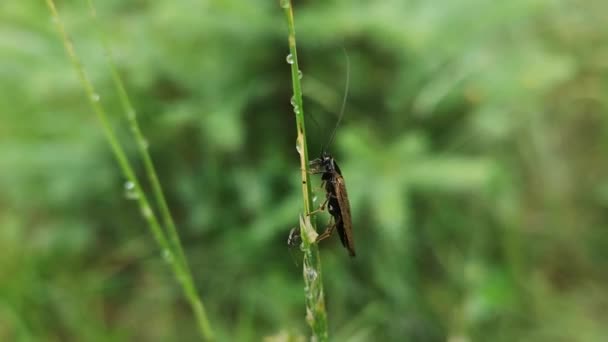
[
  {"x": 142, "y": 145},
  {"x": 316, "y": 315},
  {"x": 180, "y": 270}
]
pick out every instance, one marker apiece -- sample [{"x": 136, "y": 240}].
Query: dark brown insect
[
  {"x": 294, "y": 239},
  {"x": 336, "y": 200},
  {"x": 335, "y": 188}
]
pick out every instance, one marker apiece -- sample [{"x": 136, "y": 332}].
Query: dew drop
[
  {"x": 299, "y": 74},
  {"x": 130, "y": 191},
  {"x": 289, "y": 59},
  {"x": 298, "y": 149},
  {"x": 314, "y": 198},
  {"x": 284, "y": 3},
  {"x": 168, "y": 256},
  {"x": 296, "y": 109},
  {"x": 95, "y": 97}
]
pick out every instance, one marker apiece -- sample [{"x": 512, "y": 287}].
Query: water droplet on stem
[
  {"x": 130, "y": 191},
  {"x": 167, "y": 255},
  {"x": 296, "y": 109}
]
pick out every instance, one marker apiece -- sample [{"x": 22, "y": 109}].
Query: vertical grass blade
[
  {"x": 170, "y": 246},
  {"x": 316, "y": 315}
]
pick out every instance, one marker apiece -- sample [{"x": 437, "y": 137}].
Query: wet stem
[
  {"x": 316, "y": 315},
  {"x": 167, "y": 238}
]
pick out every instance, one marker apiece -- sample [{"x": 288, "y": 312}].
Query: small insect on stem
[
  {"x": 335, "y": 187},
  {"x": 337, "y": 200},
  {"x": 294, "y": 239}
]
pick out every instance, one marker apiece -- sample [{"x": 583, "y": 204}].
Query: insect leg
[
  {"x": 327, "y": 233},
  {"x": 322, "y": 186},
  {"x": 320, "y": 208}
]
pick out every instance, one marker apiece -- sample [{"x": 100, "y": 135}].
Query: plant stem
[
  {"x": 142, "y": 145},
  {"x": 172, "y": 250},
  {"x": 316, "y": 315}
]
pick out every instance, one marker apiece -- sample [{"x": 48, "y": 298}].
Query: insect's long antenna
[
  {"x": 315, "y": 121},
  {"x": 346, "y": 85}
]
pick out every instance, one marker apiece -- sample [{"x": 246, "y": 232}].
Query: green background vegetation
[{"x": 473, "y": 146}]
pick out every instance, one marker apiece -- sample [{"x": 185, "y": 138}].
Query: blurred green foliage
[{"x": 473, "y": 148}]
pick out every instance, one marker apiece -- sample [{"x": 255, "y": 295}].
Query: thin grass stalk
[
  {"x": 316, "y": 315},
  {"x": 179, "y": 268},
  {"x": 142, "y": 144}
]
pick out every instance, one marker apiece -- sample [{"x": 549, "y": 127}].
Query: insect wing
[{"x": 346, "y": 233}]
